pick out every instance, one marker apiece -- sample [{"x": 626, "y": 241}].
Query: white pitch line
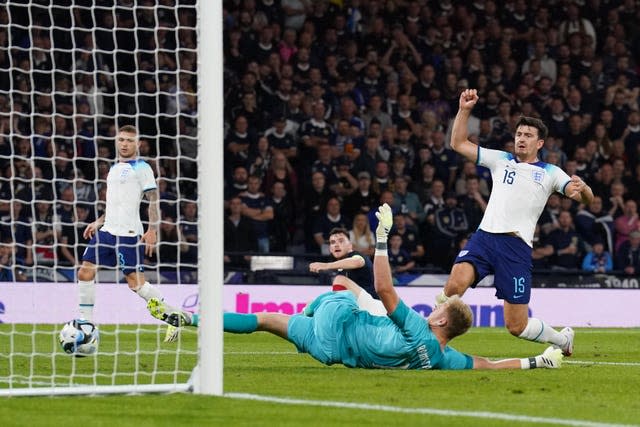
[
  {"x": 290, "y": 353},
  {"x": 258, "y": 353},
  {"x": 425, "y": 411},
  {"x": 590, "y": 362}
]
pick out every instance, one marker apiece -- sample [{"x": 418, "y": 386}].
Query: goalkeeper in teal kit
[{"x": 333, "y": 329}]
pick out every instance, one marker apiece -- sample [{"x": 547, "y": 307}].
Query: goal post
[
  {"x": 71, "y": 73},
  {"x": 211, "y": 135}
]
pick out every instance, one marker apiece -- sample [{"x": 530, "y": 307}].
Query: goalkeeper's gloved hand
[
  {"x": 441, "y": 298},
  {"x": 385, "y": 222}
]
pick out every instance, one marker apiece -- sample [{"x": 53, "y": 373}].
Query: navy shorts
[
  {"x": 106, "y": 250},
  {"x": 507, "y": 257}
]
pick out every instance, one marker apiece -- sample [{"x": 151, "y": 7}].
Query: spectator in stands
[
  {"x": 332, "y": 218},
  {"x": 238, "y": 183},
  {"x": 283, "y": 224},
  {"x": 260, "y": 157},
  {"x": 549, "y": 218},
  {"x": 371, "y": 154},
  {"x": 435, "y": 201},
  {"x": 45, "y": 233},
  {"x": 257, "y": 207},
  {"x": 239, "y": 236},
  {"x": 594, "y": 224},
  {"x": 375, "y": 112},
  {"x": 542, "y": 250},
  {"x": 280, "y": 170},
  {"x": 315, "y": 205},
  {"x": 615, "y": 203},
  {"x": 626, "y": 223},
  {"x": 170, "y": 243},
  {"x": 10, "y": 271},
  {"x": 167, "y": 197},
  {"x": 444, "y": 160},
  {"x": 628, "y": 256},
  {"x": 422, "y": 185},
  {"x": 314, "y": 132},
  {"x": 188, "y": 224},
  {"x": 407, "y": 202},
  {"x": 469, "y": 169},
  {"x": 72, "y": 244},
  {"x": 237, "y": 143},
  {"x": 280, "y": 140},
  {"x": 473, "y": 203},
  {"x": 597, "y": 260},
  {"x": 399, "y": 259},
  {"x": 411, "y": 241},
  {"x": 450, "y": 223},
  {"x": 363, "y": 199},
  {"x": 361, "y": 236},
  {"x": 347, "y": 183},
  {"x": 567, "y": 244}
]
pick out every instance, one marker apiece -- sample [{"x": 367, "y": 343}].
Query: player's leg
[
  {"x": 365, "y": 301},
  {"x": 131, "y": 262},
  {"x": 99, "y": 252},
  {"x": 471, "y": 265},
  {"x": 513, "y": 285},
  {"x": 237, "y": 323},
  {"x": 462, "y": 276},
  {"x": 519, "y": 324},
  {"x": 87, "y": 289}
]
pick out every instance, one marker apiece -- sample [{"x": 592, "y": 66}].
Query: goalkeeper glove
[{"x": 385, "y": 222}]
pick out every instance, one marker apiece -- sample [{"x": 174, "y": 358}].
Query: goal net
[{"x": 71, "y": 73}]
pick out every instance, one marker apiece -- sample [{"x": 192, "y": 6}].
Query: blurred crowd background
[{"x": 333, "y": 107}]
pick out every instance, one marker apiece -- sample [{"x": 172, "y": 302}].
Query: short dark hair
[
  {"x": 535, "y": 123},
  {"x": 339, "y": 230}
]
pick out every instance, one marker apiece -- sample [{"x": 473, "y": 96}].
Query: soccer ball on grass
[{"x": 79, "y": 337}]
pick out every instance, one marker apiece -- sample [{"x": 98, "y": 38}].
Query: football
[{"x": 79, "y": 337}]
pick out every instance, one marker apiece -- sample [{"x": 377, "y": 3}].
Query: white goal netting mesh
[{"x": 71, "y": 73}]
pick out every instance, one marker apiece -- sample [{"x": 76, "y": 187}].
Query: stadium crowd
[
  {"x": 331, "y": 108},
  {"x": 334, "y": 107}
]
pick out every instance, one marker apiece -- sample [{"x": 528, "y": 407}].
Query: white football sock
[
  {"x": 87, "y": 292},
  {"x": 538, "y": 331},
  {"x": 148, "y": 291}
]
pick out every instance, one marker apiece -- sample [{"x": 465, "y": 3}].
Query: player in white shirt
[
  {"x": 118, "y": 237},
  {"x": 502, "y": 244}
]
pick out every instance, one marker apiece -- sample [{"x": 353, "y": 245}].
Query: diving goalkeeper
[{"x": 332, "y": 329}]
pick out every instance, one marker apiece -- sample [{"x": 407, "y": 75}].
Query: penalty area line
[
  {"x": 593, "y": 362},
  {"x": 423, "y": 411}
]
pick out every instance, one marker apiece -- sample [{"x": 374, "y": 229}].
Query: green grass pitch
[{"x": 267, "y": 383}]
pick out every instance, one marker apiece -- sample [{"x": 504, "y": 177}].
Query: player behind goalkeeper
[
  {"x": 118, "y": 237},
  {"x": 333, "y": 330}
]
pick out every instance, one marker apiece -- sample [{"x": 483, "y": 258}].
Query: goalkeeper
[
  {"x": 117, "y": 237},
  {"x": 333, "y": 330}
]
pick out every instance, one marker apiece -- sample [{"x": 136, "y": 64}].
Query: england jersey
[
  {"x": 519, "y": 194},
  {"x": 126, "y": 182}
]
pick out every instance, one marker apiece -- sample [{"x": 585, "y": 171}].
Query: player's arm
[
  {"x": 150, "y": 237},
  {"x": 350, "y": 263},
  {"x": 382, "y": 278},
  {"x": 460, "y": 131},
  {"x": 91, "y": 229},
  {"x": 578, "y": 190},
  {"x": 551, "y": 358}
]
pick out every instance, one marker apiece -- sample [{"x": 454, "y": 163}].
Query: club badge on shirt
[{"x": 538, "y": 176}]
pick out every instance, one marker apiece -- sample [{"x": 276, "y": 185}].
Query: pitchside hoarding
[{"x": 57, "y": 303}]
